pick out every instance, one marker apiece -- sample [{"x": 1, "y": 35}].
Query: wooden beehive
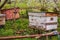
[
  {"x": 2, "y": 19},
  {"x": 44, "y": 20},
  {"x": 10, "y": 13}
]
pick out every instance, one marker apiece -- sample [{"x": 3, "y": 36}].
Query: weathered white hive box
[
  {"x": 2, "y": 19},
  {"x": 45, "y": 21}
]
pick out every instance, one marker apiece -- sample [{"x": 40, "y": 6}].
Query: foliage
[
  {"x": 22, "y": 24},
  {"x": 4, "y": 32}
]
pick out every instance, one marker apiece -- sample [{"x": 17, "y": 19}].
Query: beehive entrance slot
[{"x": 51, "y": 19}]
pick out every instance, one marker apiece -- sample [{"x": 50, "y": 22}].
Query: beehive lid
[
  {"x": 36, "y": 13},
  {"x": 51, "y": 14},
  {"x": 1, "y": 15}
]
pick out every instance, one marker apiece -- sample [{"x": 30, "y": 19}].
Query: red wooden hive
[{"x": 10, "y": 13}]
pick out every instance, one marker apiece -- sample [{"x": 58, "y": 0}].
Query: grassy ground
[{"x": 11, "y": 27}]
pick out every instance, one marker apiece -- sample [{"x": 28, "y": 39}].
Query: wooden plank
[{"x": 27, "y": 36}]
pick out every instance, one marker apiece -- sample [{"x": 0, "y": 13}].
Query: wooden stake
[{"x": 46, "y": 37}]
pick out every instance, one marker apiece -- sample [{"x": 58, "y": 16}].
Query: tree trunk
[{"x": 3, "y": 4}]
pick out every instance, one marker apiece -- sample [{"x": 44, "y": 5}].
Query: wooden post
[
  {"x": 46, "y": 36},
  {"x": 0, "y": 0}
]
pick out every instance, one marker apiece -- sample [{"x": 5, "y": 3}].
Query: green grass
[{"x": 22, "y": 23}]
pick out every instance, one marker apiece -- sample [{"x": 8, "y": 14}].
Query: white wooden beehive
[{"x": 46, "y": 21}]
